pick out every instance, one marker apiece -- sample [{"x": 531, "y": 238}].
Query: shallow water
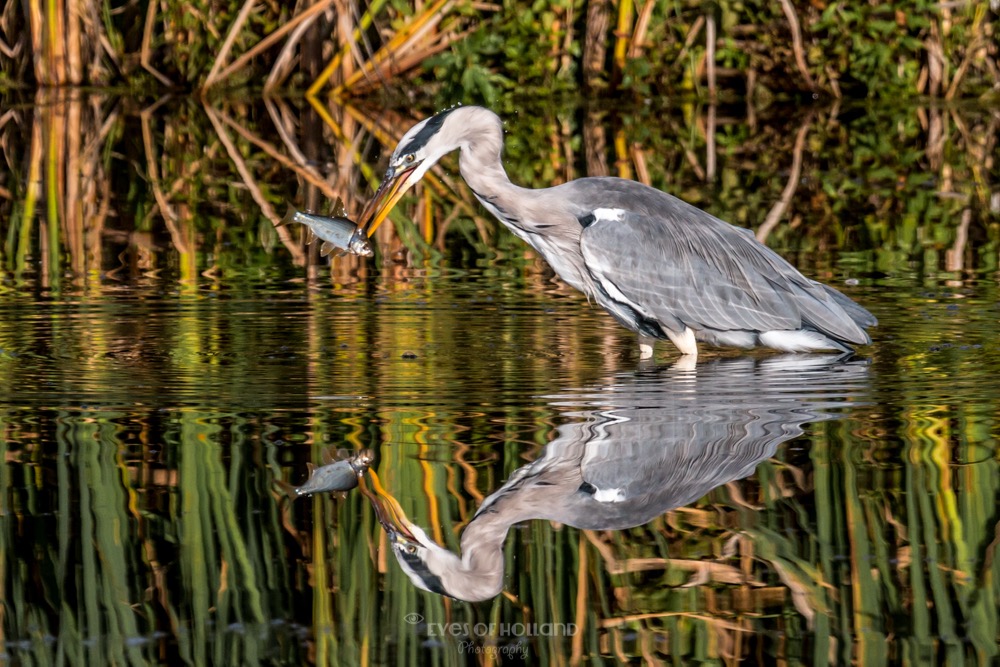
[{"x": 806, "y": 509}]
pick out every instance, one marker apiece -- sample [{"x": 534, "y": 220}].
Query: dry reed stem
[
  {"x": 595, "y": 45},
  {"x": 711, "y": 157},
  {"x": 302, "y": 170},
  {"x": 954, "y": 257},
  {"x": 283, "y": 63},
  {"x": 271, "y": 39},
  {"x": 641, "y": 28},
  {"x": 227, "y": 45},
  {"x": 710, "y": 40},
  {"x": 298, "y": 255},
  {"x": 169, "y": 215},
  {"x": 619, "y": 621},
  {"x": 8, "y": 51},
  {"x": 56, "y": 44},
  {"x": 779, "y": 208},
  {"x": 639, "y": 160},
  {"x": 74, "y": 41},
  {"x": 145, "y": 55},
  {"x": 280, "y": 121},
  {"x": 970, "y": 51},
  {"x": 566, "y": 59},
  {"x": 35, "y": 23},
  {"x": 356, "y": 35},
  {"x": 401, "y": 42},
  {"x": 690, "y": 39},
  {"x": 936, "y": 62},
  {"x": 805, "y": 603},
  {"x": 442, "y": 228},
  {"x": 397, "y": 66},
  {"x": 800, "y": 56}
]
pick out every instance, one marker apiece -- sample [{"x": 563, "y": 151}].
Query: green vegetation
[
  {"x": 160, "y": 358},
  {"x": 477, "y": 52}
]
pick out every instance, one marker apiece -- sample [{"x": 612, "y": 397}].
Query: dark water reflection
[
  {"x": 165, "y": 357},
  {"x": 648, "y": 443}
]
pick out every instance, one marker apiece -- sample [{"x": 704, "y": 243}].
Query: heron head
[
  {"x": 430, "y": 566},
  {"x": 420, "y": 149}
]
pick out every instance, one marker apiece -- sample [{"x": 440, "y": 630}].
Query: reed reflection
[{"x": 636, "y": 448}]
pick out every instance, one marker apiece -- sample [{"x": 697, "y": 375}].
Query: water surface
[{"x": 159, "y": 372}]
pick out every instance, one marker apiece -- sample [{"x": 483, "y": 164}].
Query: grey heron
[
  {"x": 660, "y": 266},
  {"x": 640, "y": 446}
]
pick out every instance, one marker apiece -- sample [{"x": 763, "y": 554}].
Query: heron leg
[
  {"x": 684, "y": 341},
  {"x": 645, "y": 347}
]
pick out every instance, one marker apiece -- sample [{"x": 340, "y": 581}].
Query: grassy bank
[{"x": 475, "y": 51}]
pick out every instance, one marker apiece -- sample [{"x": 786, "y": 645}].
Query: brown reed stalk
[
  {"x": 348, "y": 44},
  {"x": 227, "y": 45},
  {"x": 146, "y": 48},
  {"x": 408, "y": 37}
]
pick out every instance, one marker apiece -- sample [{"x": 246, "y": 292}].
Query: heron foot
[{"x": 685, "y": 341}]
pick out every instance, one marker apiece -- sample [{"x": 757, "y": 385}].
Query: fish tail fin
[
  {"x": 288, "y": 219},
  {"x": 286, "y": 488}
]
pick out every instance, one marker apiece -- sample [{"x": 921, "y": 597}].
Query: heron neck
[
  {"x": 480, "y": 166},
  {"x": 538, "y": 217},
  {"x": 478, "y": 573}
]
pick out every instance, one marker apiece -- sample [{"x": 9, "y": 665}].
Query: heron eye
[
  {"x": 410, "y": 549},
  {"x": 410, "y": 158}
]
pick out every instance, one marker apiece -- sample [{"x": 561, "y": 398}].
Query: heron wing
[{"x": 682, "y": 264}]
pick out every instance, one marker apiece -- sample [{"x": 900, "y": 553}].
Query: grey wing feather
[{"x": 707, "y": 274}]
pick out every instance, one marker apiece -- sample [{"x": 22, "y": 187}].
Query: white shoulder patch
[
  {"x": 610, "y": 214},
  {"x": 609, "y": 495}
]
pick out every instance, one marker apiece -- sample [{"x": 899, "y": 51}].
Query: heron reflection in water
[
  {"x": 641, "y": 446},
  {"x": 662, "y": 267}
]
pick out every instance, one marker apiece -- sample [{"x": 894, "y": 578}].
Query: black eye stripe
[
  {"x": 421, "y": 138},
  {"x": 428, "y": 578}
]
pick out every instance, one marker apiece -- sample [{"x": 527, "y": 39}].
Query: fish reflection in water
[{"x": 642, "y": 446}]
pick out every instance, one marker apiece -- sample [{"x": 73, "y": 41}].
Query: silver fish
[
  {"x": 335, "y": 476},
  {"x": 336, "y": 233}
]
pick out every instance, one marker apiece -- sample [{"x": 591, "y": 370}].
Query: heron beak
[
  {"x": 393, "y": 186},
  {"x": 388, "y": 511}
]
